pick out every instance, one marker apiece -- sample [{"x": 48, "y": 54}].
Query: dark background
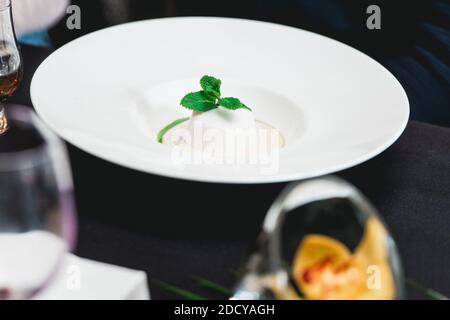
[
  {"x": 413, "y": 43},
  {"x": 158, "y": 225}
]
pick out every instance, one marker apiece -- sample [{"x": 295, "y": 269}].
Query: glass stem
[{"x": 3, "y": 120}]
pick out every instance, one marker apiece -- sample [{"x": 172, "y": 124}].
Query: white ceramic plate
[{"x": 111, "y": 91}]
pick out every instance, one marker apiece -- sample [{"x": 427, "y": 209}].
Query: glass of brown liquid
[{"x": 10, "y": 60}]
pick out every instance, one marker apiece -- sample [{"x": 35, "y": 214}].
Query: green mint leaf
[
  {"x": 211, "y": 86},
  {"x": 233, "y": 104},
  {"x": 167, "y": 128},
  {"x": 198, "y": 101},
  {"x": 208, "y": 284},
  {"x": 188, "y": 295},
  {"x": 211, "y": 96}
]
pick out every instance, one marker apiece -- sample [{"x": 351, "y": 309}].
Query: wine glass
[
  {"x": 37, "y": 216},
  {"x": 10, "y": 60},
  {"x": 322, "y": 239}
]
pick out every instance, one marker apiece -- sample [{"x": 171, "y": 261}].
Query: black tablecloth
[{"x": 158, "y": 225}]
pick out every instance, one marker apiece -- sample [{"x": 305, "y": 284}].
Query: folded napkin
[{"x": 81, "y": 279}]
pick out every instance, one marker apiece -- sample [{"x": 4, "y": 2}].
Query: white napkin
[{"x": 81, "y": 279}]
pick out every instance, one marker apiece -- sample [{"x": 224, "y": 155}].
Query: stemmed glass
[
  {"x": 10, "y": 60},
  {"x": 37, "y": 216},
  {"x": 322, "y": 239}
]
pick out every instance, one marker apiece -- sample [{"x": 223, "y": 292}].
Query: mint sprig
[
  {"x": 201, "y": 101},
  {"x": 211, "y": 86},
  {"x": 198, "y": 101},
  {"x": 210, "y": 97},
  {"x": 232, "y": 104}
]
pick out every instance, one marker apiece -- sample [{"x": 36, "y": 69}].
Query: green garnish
[
  {"x": 211, "y": 85},
  {"x": 210, "y": 97},
  {"x": 205, "y": 100},
  {"x": 208, "y": 284},
  {"x": 198, "y": 101},
  {"x": 163, "y": 131},
  {"x": 232, "y": 104},
  {"x": 178, "y": 291}
]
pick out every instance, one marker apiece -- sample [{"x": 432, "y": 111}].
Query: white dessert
[
  {"x": 235, "y": 131},
  {"x": 223, "y": 119},
  {"x": 220, "y": 130}
]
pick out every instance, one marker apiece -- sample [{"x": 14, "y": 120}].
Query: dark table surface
[{"x": 131, "y": 219}]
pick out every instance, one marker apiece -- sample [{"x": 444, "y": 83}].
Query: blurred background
[{"x": 413, "y": 43}]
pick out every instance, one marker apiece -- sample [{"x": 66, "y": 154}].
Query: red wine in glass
[
  {"x": 10, "y": 60},
  {"x": 8, "y": 84}
]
